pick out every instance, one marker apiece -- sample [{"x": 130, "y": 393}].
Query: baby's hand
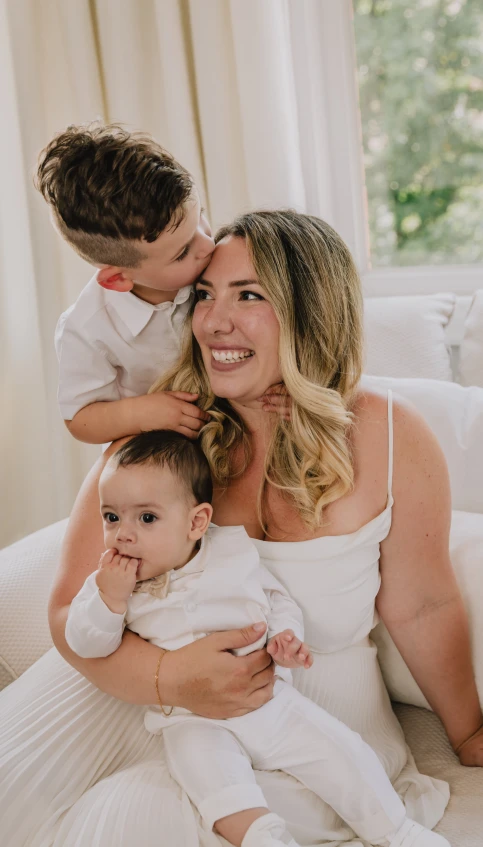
[
  {"x": 116, "y": 579},
  {"x": 277, "y": 400},
  {"x": 288, "y": 651}
]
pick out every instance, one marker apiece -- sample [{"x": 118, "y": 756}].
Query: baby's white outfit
[
  {"x": 111, "y": 345},
  {"x": 225, "y": 587}
]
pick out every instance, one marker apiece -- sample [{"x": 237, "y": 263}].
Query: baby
[{"x": 172, "y": 578}]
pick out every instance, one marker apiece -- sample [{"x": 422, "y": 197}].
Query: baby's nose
[{"x": 125, "y": 533}]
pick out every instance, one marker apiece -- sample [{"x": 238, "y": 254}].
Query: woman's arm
[
  {"x": 419, "y": 600},
  {"x": 203, "y": 677}
]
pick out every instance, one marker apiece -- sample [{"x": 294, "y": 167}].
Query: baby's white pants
[{"x": 213, "y": 759}]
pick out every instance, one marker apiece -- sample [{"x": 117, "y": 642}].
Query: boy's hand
[
  {"x": 277, "y": 400},
  {"x": 288, "y": 651},
  {"x": 116, "y": 578},
  {"x": 174, "y": 410}
]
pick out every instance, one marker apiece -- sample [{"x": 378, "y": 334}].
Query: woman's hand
[
  {"x": 207, "y": 679},
  {"x": 471, "y": 753}
]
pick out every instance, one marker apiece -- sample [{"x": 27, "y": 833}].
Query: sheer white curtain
[{"x": 234, "y": 88}]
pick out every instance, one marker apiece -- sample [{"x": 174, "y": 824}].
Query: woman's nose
[{"x": 218, "y": 318}]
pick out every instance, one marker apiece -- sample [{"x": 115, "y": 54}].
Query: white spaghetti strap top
[{"x": 335, "y": 578}]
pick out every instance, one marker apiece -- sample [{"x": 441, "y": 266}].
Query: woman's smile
[{"x": 230, "y": 358}]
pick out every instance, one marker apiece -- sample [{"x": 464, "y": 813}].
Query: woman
[{"x": 347, "y": 500}]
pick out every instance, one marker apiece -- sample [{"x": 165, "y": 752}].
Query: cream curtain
[{"x": 234, "y": 88}]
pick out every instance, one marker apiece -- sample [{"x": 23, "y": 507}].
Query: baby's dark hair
[{"x": 164, "y": 448}]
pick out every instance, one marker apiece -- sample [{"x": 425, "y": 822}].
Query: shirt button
[{"x": 191, "y": 607}]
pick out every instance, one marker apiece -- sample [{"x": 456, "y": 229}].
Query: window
[{"x": 420, "y": 76}]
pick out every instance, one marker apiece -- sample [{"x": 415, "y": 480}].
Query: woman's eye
[
  {"x": 110, "y": 517},
  {"x": 247, "y": 295},
  {"x": 147, "y": 517},
  {"x": 202, "y": 294},
  {"x": 183, "y": 254}
]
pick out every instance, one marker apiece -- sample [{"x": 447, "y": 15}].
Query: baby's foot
[
  {"x": 270, "y": 831},
  {"x": 412, "y": 834}
]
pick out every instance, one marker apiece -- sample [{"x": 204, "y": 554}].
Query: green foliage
[{"x": 420, "y": 68}]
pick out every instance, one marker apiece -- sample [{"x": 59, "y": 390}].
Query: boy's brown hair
[{"x": 109, "y": 188}]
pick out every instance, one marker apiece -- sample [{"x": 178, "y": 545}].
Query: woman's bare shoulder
[
  {"x": 418, "y": 457},
  {"x": 370, "y": 408}
]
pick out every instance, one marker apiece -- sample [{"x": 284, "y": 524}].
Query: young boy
[
  {"x": 127, "y": 207},
  {"x": 173, "y": 578}
]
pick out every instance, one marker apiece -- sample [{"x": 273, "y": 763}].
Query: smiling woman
[{"x": 279, "y": 302}]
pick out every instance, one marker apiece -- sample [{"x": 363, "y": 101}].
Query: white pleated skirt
[{"x": 78, "y": 769}]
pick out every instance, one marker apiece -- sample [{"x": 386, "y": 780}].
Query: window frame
[{"x": 349, "y": 198}]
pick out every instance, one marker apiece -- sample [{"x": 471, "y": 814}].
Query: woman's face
[{"x": 236, "y": 326}]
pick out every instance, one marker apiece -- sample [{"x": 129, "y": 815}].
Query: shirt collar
[
  {"x": 195, "y": 565},
  {"x": 136, "y": 313}
]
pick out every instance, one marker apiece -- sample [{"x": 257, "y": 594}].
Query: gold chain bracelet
[
  {"x": 459, "y": 748},
  {"x": 156, "y": 680}
]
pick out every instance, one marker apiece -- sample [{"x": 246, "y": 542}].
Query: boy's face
[
  {"x": 149, "y": 515},
  {"x": 175, "y": 259}
]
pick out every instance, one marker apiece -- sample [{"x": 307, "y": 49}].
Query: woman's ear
[
  {"x": 200, "y": 520},
  {"x": 114, "y": 279}
]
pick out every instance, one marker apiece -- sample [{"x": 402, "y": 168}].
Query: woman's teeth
[{"x": 231, "y": 355}]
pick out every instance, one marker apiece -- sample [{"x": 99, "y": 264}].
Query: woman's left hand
[
  {"x": 277, "y": 399},
  {"x": 471, "y": 755}
]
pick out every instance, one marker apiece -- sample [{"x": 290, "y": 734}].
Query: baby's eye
[
  {"x": 110, "y": 517},
  {"x": 147, "y": 517}
]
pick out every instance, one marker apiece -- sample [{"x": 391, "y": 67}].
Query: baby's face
[{"x": 147, "y": 514}]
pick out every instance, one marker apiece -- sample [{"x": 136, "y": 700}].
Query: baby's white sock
[
  {"x": 268, "y": 831},
  {"x": 412, "y": 834}
]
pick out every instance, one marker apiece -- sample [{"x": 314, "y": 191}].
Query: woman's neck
[{"x": 260, "y": 424}]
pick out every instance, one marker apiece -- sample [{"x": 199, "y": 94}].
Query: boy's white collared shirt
[
  {"x": 112, "y": 345},
  {"x": 223, "y": 587}
]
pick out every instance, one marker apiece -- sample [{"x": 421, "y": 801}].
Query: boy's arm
[
  {"x": 105, "y": 421},
  {"x": 92, "y": 630},
  {"x": 90, "y": 400}
]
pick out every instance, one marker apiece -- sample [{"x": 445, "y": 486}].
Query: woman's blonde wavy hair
[{"x": 314, "y": 288}]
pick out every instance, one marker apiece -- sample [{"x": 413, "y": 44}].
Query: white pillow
[
  {"x": 27, "y": 569},
  {"x": 466, "y": 546},
  {"x": 455, "y": 414},
  {"x": 405, "y": 337},
  {"x": 471, "y": 349}
]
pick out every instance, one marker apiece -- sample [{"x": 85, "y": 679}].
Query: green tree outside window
[{"x": 420, "y": 71}]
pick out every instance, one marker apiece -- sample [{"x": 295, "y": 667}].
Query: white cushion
[
  {"x": 471, "y": 349},
  {"x": 462, "y": 823},
  {"x": 27, "y": 569},
  {"x": 455, "y": 414},
  {"x": 405, "y": 336},
  {"x": 466, "y": 546}
]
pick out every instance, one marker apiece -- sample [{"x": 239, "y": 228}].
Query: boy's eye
[
  {"x": 110, "y": 517},
  {"x": 183, "y": 254},
  {"x": 147, "y": 517}
]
